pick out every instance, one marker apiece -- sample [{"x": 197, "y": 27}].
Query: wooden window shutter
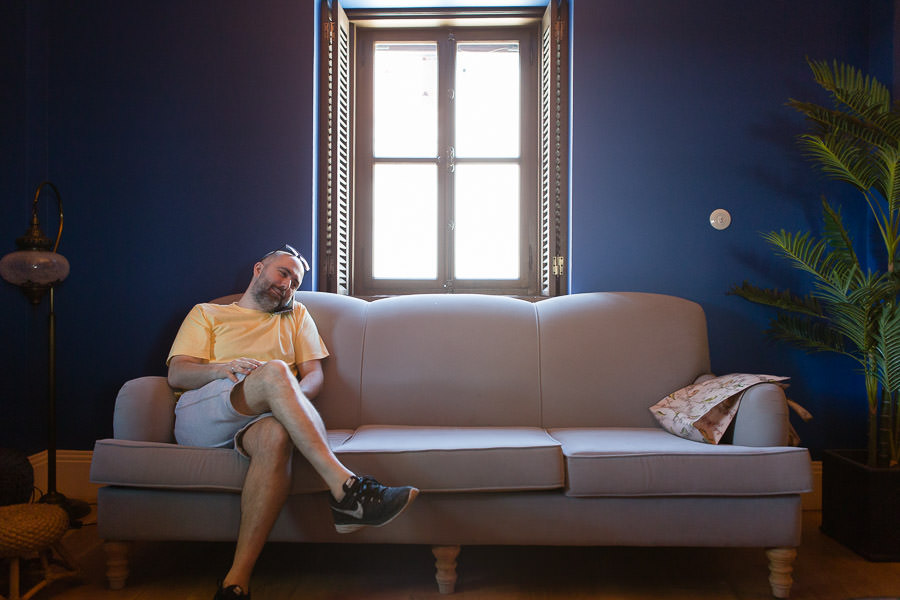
[
  {"x": 554, "y": 149},
  {"x": 335, "y": 139}
]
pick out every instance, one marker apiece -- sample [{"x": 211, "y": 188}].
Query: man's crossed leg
[{"x": 295, "y": 423}]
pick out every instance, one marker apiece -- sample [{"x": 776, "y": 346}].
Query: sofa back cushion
[
  {"x": 591, "y": 359},
  {"x": 606, "y": 357},
  {"x": 341, "y": 321},
  {"x": 454, "y": 359}
]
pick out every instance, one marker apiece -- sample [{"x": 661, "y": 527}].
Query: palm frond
[
  {"x": 836, "y": 235},
  {"x": 852, "y": 322},
  {"x": 802, "y": 250},
  {"x": 888, "y": 346},
  {"x": 889, "y": 123},
  {"x": 887, "y": 162},
  {"x": 837, "y": 278},
  {"x": 857, "y": 314},
  {"x": 811, "y": 255},
  {"x": 881, "y": 130},
  {"x": 780, "y": 299},
  {"x": 807, "y": 334},
  {"x": 840, "y": 159},
  {"x": 850, "y": 87}
]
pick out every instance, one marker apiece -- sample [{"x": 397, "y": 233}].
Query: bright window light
[
  {"x": 404, "y": 221},
  {"x": 487, "y": 99},
  {"x": 405, "y": 100},
  {"x": 487, "y": 221}
]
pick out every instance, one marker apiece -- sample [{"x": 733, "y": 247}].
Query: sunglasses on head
[{"x": 290, "y": 250}]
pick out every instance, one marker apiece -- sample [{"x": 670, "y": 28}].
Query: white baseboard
[
  {"x": 73, "y": 477},
  {"x": 72, "y": 473}
]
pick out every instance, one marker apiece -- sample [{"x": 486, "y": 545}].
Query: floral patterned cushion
[{"x": 703, "y": 411}]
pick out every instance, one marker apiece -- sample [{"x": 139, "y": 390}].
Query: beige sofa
[{"x": 522, "y": 423}]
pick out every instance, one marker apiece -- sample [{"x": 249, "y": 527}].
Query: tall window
[{"x": 443, "y": 162}]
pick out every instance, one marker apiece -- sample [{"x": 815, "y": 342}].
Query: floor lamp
[{"x": 36, "y": 268}]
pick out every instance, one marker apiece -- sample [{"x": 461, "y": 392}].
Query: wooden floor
[{"x": 824, "y": 570}]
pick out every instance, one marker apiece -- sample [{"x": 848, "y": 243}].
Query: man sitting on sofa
[{"x": 240, "y": 365}]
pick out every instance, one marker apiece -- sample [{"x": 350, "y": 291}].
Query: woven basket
[{"x": 26, "y": 528}]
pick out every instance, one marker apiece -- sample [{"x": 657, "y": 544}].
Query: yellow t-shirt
[{"x": 221, "y": 333}]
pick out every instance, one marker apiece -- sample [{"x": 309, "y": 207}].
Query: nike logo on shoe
[{"x": 356, "y": 513}]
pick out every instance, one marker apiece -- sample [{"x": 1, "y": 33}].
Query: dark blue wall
[
  {"x": 679, "y": 110},
  {"x": 19, "y": 325},
  {"x": 181, "y": 137}
]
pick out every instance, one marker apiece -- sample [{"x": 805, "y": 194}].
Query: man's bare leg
[
  {"x": 273, "y": 387},
  {"x": 266, "y": 488},
  {"x": 357, "y": 501}
]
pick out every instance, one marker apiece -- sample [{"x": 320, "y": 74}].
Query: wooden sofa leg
[
  {"x": 116, "y": 564},
  {"x": 446, "y": 567},
  {"x": 781, "y": 565}
]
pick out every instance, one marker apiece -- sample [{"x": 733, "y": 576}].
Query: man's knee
[
  {"x": 268, "y": 438},
  {"x": 271, "y": 381},
  {"x": 275, "y": 372}
]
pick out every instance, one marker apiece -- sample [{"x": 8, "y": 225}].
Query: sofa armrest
[
  {"x": 145, "y": 411},
  {"x": 762, "y": 419},
  {"x": 704, "y": 377}
]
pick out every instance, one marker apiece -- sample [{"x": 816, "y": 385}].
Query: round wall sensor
[{"x": 720, "y": 219}]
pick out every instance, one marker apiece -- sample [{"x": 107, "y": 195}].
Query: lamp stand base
[{"x": 76, "y": 509}]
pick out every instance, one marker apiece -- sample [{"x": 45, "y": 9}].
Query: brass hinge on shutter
[
  {"x": 559, "y": 266},
  {"x": 328, "y": 28}
]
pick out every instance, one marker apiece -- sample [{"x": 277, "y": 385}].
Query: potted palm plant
[{"x": 853, "y": 307}]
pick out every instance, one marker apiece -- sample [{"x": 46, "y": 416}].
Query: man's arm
[
  {"x": 190, "y": 373},
  {"x": 311, "y": 378}
]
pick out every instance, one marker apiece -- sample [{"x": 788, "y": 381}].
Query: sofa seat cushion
[
  {"x": 653, "y": 462},
  {"x": 456, "y": 459},
  {"x": 171, "y": 466}
]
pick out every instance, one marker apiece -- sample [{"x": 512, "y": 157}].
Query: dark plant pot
[{"x": 861, "y": 505}]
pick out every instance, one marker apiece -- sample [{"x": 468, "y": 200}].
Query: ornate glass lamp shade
[
  {"x": 36, "y": 265},
  {"x": 34, "y": 270}
]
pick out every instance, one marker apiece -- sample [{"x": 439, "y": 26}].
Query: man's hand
[
  {"x": 190, "y": 373},
  {"x": 241, "y": 365}
]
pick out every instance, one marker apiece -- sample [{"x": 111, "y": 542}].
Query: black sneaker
[
  {"x": 368, "y": 503},
  {"x": 232, "y": 592}
]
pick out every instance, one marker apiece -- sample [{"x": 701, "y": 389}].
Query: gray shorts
[{"x": 205, "y": 417}]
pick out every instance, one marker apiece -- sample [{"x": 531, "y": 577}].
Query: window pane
[
  {"x": 487, "y": 99},
  {"x": 404, "y": 221},
  {"x": 405, "y": 83},
  {"x": 487, "y": 221}
]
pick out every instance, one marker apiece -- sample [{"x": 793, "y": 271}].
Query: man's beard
[{"x": 261, "y": 293}]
